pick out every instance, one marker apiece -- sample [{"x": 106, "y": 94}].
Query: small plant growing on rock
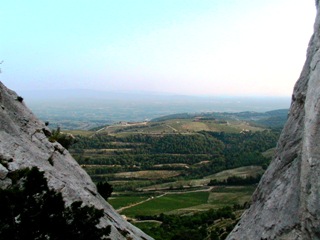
[
  {"x": 20, "y": 99},
  {"x": 66, "y": 140},
  {"x": 105, "y": 189}
]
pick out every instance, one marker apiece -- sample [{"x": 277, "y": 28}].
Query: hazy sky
[{"x": 212, "y": 47}]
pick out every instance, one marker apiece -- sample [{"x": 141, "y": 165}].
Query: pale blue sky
[{"x": 193, "y": 47}]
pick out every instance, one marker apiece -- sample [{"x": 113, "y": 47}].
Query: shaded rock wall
[
  {"x": 286, "y": 204},
  {"x": 23, "y": 143}
]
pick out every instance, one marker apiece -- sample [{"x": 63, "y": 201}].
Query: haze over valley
[
  {"x": 159, "y": 120},
  {"x": 85, "y": 109}
]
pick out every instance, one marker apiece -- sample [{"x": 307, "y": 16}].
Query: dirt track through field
[
  {"x": 166, "y": 193},
  {"x": 138, "y": 203}
]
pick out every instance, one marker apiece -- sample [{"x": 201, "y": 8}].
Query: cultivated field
[
  {"x": 150, "y": 175},
  {"x": 239, "y": 172},
  {"x": 169, "y": 197},
  {"x": 179, "y": 126},
  {"x": 182, "y": 202},
  {"x": 178, "y": 168}
]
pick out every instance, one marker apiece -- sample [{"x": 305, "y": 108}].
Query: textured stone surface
[
  {"x": 23, "y": 143},
  {"x": 286, "y": 204},
  {"x": 3, "y": 172}
]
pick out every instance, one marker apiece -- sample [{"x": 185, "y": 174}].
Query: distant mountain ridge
[
  {"x": 271, "y": 119},
  {"x": 105, "y": 94},
  {"x": 82, "y": 109}
]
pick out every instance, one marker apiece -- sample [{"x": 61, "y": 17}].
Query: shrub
[
  {"x": 105, "y": 189},
  {"x": 30, "y": 210},
  {"x": 20, "y": 99},
  {"x": 66, "y": 140}
]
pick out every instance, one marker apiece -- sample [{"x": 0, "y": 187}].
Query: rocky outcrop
[
  {"x": 286, "y": 204},
  {"x": 24, "y": 143}
]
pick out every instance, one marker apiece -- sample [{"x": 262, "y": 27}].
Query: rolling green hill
[{"x": 156, "y": 166}]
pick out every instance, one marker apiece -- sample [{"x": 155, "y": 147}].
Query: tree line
[
  {"x": 195, "y": 226},
  {"x": 136, "y": 152},
  {"x": 236, "y": 181}
]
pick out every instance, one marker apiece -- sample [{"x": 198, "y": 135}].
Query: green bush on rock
[{"x": 30, "y": 210}]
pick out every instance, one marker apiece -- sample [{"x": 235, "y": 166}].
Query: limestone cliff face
[
  {"x": 286, "y": 204},
  {"x": 23, "y": 143}
]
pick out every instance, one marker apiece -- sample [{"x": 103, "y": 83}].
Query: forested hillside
[
  {"x": 190, "y": 155},
  {"x": 194, "y": 172}
]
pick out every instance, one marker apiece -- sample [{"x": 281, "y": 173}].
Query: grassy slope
[
  {"x": 167, "y": 203},
  {"x": 223, "y": 175},
  {"x": 173, "y": 203},
  {"x": 239, "y": 172},
  {"x": 184, "y": 202},
  {"x": 122, "y": 201},
  {"x": 173, "y": 126}
]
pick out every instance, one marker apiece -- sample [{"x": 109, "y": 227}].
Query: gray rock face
[
  {"x": 286, "y": 204},
  {"x": 23, "y": 143},
  {"x": 3, "y": 172}
]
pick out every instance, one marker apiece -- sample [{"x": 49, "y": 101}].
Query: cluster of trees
[
  {"x": 213, "y": 166},
  {"x": 30, "y": 210},
  {"x": 105, "y": 189},
  {"x": 259, "y": 141},
  {"x": 144, "y": 161},
  {"x": 66, "y": 140},
  {"x": 187, "y": 144},
  {"x": 246, "y": 148},
  {"x": 98, "y": 141},
  {"x": 172, "y": 144},
  {"x": 220, "y": 151},
  {"x": 196, "y": 226},
  {"x": 236, "y": 181}
]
